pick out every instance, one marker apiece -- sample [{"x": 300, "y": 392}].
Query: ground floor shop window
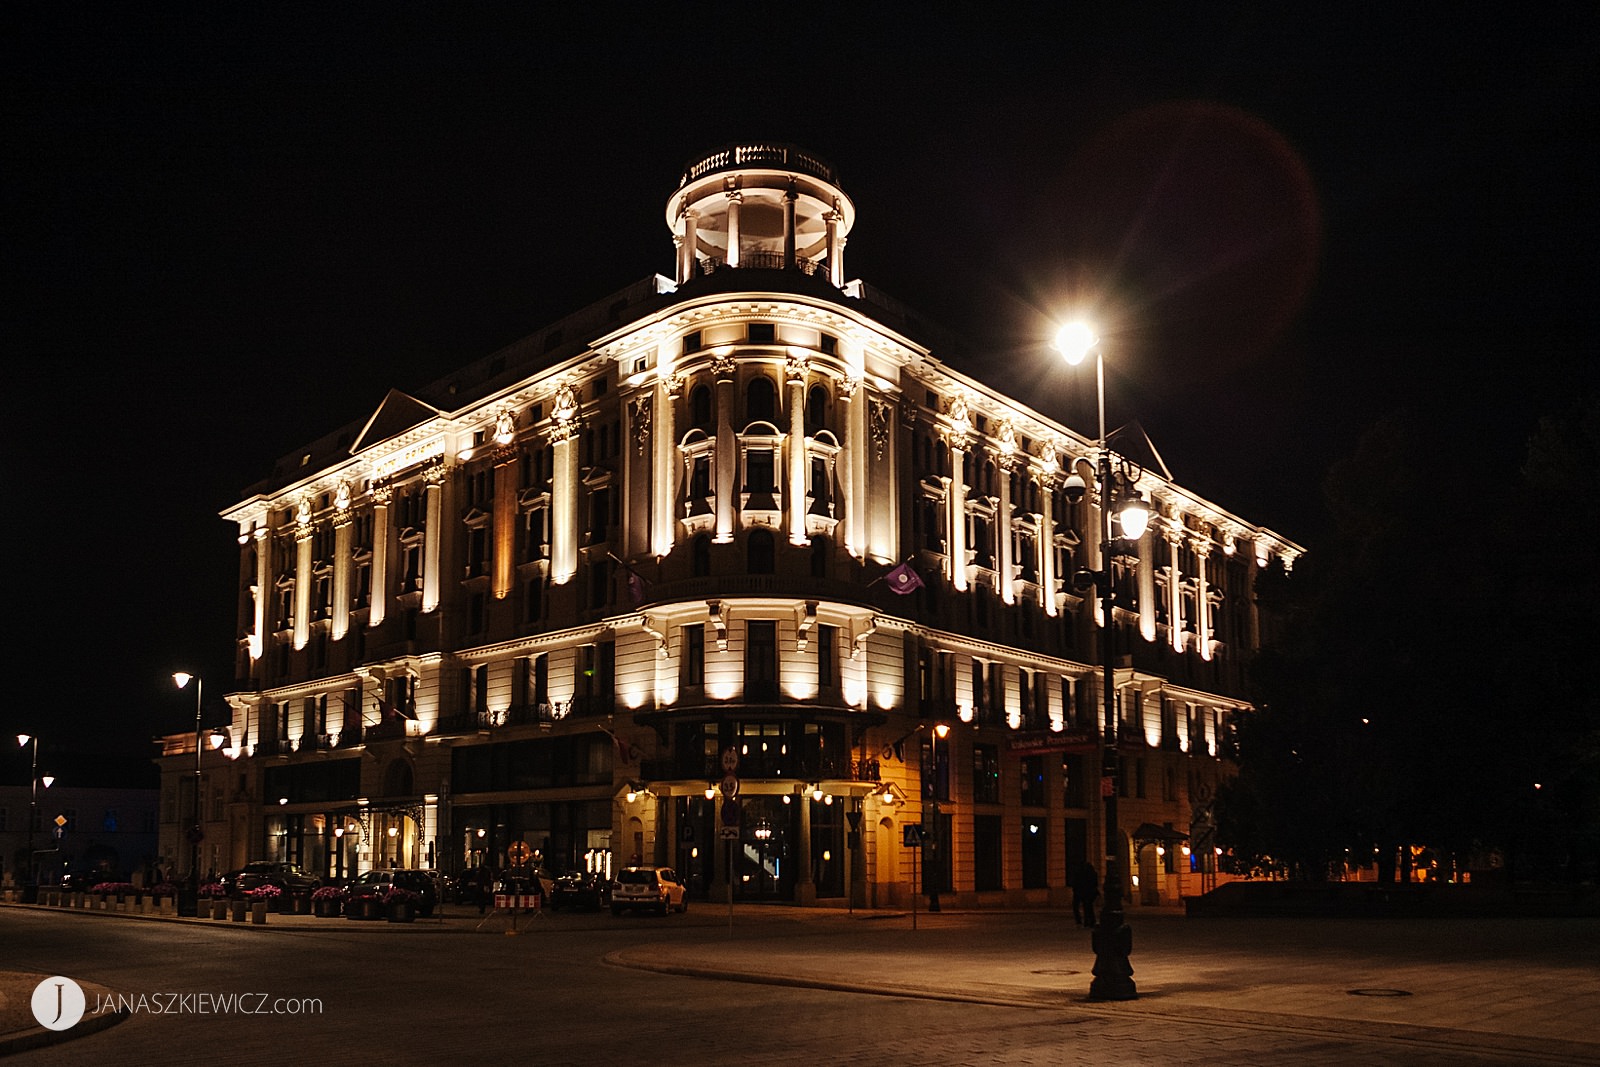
[{"x": 988, "y": 853}]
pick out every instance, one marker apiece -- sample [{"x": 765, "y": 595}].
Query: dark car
[
  {"x": 578, "y": 890},
  {"x": 83, "y": 881},
  {"x": 376, "y": 884},
  {"x": 288, "y": 877}
]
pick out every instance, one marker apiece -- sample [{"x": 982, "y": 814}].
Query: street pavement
[{"x": 1478, "y": 990}]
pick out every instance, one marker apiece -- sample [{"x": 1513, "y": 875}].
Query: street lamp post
[
  {"x": 935, "y": 866},
  {"x": 23, "y": 740},
  {"x": 1112, "y": 938},
  {"x": 182, "y": 680}
]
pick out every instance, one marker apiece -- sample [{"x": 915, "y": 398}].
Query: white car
[{"x": 655, "y": 888}]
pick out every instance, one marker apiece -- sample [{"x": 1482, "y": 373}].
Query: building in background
[
  {"x": 78, "y": 830},
  {"x": 689, "y": 577}
]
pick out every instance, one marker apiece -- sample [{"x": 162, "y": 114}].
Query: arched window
[
  {"x": 760, "y": 400},
  {"x": 760, "y": 549},
  {"x": 700, "y": 408},
  {"x": 816, "y": 410}
]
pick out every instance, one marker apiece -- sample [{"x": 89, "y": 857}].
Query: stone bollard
[{"x": 258, "y": 913}]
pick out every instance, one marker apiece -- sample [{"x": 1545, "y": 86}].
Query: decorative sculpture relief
[{"x": 639, "y": 411}]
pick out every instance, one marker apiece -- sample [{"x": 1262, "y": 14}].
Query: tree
[{"x": 1378, "y": 716}]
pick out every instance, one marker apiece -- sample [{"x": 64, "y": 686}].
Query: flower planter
[
  {"x": 402, "y": 912},
  {"x": 300, "y": 904},
  {"x": 238, "y": 907},
  {"x": 258, "y": 913},
  {"x": 219, "y": 907},
  {"x": 364, "y": 908},
  {"x": 326, "y": 909}
]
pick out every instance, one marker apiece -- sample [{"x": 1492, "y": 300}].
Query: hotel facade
[{"x": 691, "y": 576}]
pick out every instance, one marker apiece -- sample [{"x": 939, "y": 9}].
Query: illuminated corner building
[{"x": 565, "y": 598}]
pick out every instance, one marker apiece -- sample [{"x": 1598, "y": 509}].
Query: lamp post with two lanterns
[{"x": 1112, "y": 939}]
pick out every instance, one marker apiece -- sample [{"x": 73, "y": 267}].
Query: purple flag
[
  {"x": 636, "y": 588},
  {"x": 903, "y": 579}
]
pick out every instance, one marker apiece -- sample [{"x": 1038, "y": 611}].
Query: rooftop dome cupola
[{"x": 767, "y": 206}]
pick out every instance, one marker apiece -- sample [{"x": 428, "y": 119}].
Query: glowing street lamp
[{"x": 1112, "y": 939}]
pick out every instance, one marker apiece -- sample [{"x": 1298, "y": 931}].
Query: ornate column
[
  {"x": 789, "y": 199},
  {"x": 263, "y": 539},
  {"x": 1007, "y": 462},
  {"x": 735, "y": 202},
  {"x": 504, "y": 515},
  {"x": 960, "y": 438},
  {"x": 304, "y": 530},
  {"x": 854, "y": 465},
  {"x": 432, "y": 534},
  {"x": 1202, "y": 595},
  {"x": 1044, "y": 477},
  {"x": 799, "y": 484},
  {"x": 835, "y": 246},
  {"x": 1147, "y": 588},
  {"x": 564, "y": 486},
  {"x": 664, "y": 464},
  {"x": 727, "y": 458},
  {"x": 1174, "y": 534},
  {"x": 691, "y": 244},
  {"x": 342, "y": 527},
  {"x": 381, "y": 495}
]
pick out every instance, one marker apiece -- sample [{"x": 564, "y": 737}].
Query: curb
[{"x": 40, "y": 1036}]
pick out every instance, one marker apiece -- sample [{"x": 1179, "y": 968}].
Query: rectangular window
[
  {"x": 692, "y": 657},
  {"x": 985, "y": 774},
  {"x": 761, "y": 660},
  {"x": 1033, "y": 795},
  {"x": 1074, "y": 782},
  {"x": 827, "y": 664}
]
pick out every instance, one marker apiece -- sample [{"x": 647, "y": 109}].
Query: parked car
[
  {"x": 378, "y": 883},
  {"x": 578, "y": 889},
  {"x": 82, "y": 881},
  {"x": 444, "y": 885},
  {"x": 288, "y": 877},
  {"x": 655, "y": 888}
]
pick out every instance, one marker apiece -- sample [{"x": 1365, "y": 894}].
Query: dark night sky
[{"x": 228, "y": 233}]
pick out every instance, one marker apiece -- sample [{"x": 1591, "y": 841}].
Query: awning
[{"x": 1149, "y": 833}]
